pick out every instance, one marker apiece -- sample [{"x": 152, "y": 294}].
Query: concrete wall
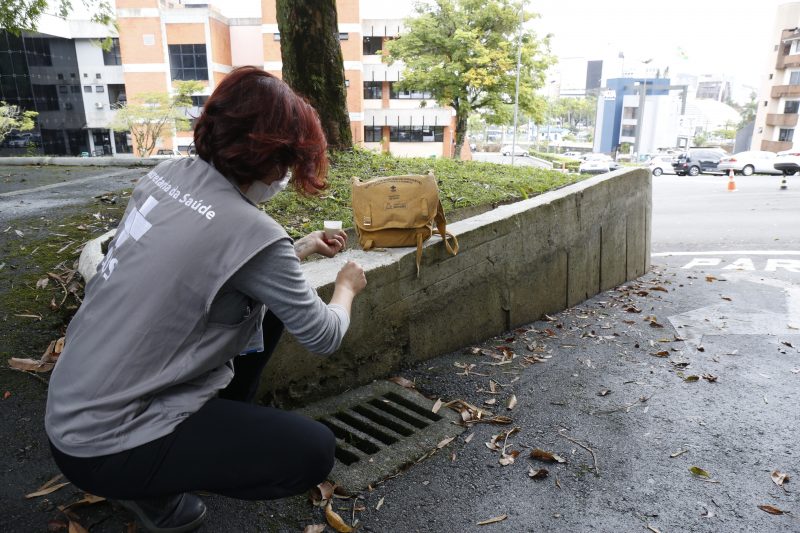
[{"x": 516, "y": 263}]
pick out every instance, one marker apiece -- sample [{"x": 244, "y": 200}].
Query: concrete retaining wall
[{"x": 517, "y": 262}]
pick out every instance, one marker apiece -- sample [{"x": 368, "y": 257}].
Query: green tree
[
  {"x": 148, "y": 114},
  {"x": 23, "y": 15},
  {"x": 313, "y": 64},
  {"x": 13, "y": 117},
  {"x": 464, "y": 52},
  {"x": 747, "y": 111}
]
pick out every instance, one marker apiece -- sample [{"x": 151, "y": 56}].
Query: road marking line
[
  {"x": 734, "y": 252},
  {"x": 64, "y": 183}
]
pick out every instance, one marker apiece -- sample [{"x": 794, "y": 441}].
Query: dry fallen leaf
[
  {"x": 490, "y": 401},
  {"x": 30, "y": 365},
  {"x": 542, "y": 455},
  {"x": 444, "y": 442},
  {"x": 320, "y": 494},
  {"x": 710, "y": 279},
  {"x": 437, "y": 406},
  {"x": 493, "y": 520},
  {"x": 678, "y": 453},
  {"x": 653, "y": 529},
  {"x": 604, "y": 392},
  {"x": 710, "y": 378},
  {"x": 508, "y": 458},
  {"x": 380, "y": 503},
  {"x": 662, "y": 353},
  {"x": 42, "y": 283},
  {"x": 335, "y": 521},
  {"x": 314, "y": 528},
  {"x": 779, "y": 478},
  {"x": 512, "y": 402},
  {"x": 770, "y": 509},
  {"x": 48, "y": 490},
  {"x": 75, "y": 527},
  {"x": 538, "y": 474},
  {"x": 403, "y": 382},
  {"x": 6, "y": 395},
  {"x": 469, "y": 437}
]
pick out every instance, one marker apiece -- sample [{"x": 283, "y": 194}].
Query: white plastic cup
[{"x": 332, "y": 227}]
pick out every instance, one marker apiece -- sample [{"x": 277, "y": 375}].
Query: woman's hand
[
  {"x": 316, "y": 242},
  {"x": 349, "y": 282}
]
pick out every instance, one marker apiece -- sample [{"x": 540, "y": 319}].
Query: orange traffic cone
[{"x": 731, "y": 183}]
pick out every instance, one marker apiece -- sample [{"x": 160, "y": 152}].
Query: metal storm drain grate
[{"x": 380, "y": 428}]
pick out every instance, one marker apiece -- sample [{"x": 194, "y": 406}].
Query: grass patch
[{"x": 461, "y": 183}]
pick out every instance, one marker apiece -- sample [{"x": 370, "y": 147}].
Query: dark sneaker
[{"x": 170, "y": 514}]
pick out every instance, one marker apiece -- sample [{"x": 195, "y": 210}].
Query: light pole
[{"x": 516, "y": 90}]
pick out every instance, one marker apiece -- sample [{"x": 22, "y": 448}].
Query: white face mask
[{"x": 259, "y": 192}]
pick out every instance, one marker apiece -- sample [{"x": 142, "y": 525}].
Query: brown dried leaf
[
  {"x": 538, "y": 453},
  {"x": 403, "y": 382},
  {"x": 335, "y": 521},
  {"x": 512, "y": 402},
  {"x": 75, "y": 527},
  {"x": 770, "y": 509},
  {"x": 30, "y": 365},
  {"x": 538, "y": 474},
  {"x": 314, "y": 528},
  {"x": 508, "y": 458},
  {"x": 54, "y": 526},
  {"x": 48, "y": 490},
  {"x": 662, "y": 353},
  {"x": 710, "y": 279},
  {"x": 320, "y": 494},
  {"x": 436, "y": 406},
  {"x": 469, "y": 438},
  {"x": 380, "y": 503},
  {"x": 444, "y": 442},
  {"x": 42, "y": 283},
  {"x": 659, "y": 288},
  {"x": 59, "y": 346},
  {"x": 779, "y": 478},
  {"x": 490, "y": 401},
  {"x": 493, "y": 520},
  {"x": 604, "y": 392},
  {"x": 710, "y": 378}
]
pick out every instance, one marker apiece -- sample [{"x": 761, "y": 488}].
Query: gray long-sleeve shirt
[{"x": 273, "y": 277}]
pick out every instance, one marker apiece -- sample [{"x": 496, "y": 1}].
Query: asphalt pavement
[{"x": 672, "y": 401}]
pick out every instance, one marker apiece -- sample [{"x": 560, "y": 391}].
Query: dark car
[{"x": 697, "y": 160}]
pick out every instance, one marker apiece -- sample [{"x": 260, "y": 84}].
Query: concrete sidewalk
[{"x": 608, "y": 385}]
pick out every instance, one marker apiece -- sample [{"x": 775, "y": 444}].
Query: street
[
  {"x": 495, "y": 157},
  {"x": 672, "y": 399}
]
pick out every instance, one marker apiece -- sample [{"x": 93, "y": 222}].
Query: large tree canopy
[
  {"x": 464, "y": 52},
  {"x": 313, "y": 64},
  {"x": 23, "y": 15}
]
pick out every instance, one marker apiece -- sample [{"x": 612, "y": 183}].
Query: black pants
[{"x": 230, "y": 447}]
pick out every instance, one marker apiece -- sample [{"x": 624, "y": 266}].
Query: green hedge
[{"x": 461, "y": 183}]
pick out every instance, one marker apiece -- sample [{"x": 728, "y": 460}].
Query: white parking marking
[
  {"x": 723, "y": 252},
  {"x": 699, "y": 261}
]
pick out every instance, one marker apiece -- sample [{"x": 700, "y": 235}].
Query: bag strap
[
  {"x": 419, "y": 251},
  {"x": 441, "y": 229}
]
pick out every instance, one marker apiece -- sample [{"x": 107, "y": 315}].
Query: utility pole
[{"x": 516, "y": 91}]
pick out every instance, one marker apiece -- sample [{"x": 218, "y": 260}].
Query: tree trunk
[
  {"x": 461, "y": 131},
  {"x": 313, "y": 64}
]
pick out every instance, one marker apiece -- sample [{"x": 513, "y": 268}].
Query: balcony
[
  {"x": 781, "y": 119},
  {"x": 789, "y": 61},
  {"x": 779, "y": 91},
  {"x": 775, "y": 146}
]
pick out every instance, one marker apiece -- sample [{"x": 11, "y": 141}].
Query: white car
[
  {"x": 517, "y": 150},
  {"x": 661, "y": 164},
  {"x": 788, "y": 162},
  {"x": 749, "y": 163},
  {"x": 597, "y": 164}
]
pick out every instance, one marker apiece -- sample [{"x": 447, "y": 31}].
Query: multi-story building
[
  {"x": 63, "y": 73},
  {"x": 75, "y": 85},
  {"x": 779, "y": 96}
]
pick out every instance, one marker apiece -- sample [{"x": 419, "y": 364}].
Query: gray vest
[{"x": 140, "y": 354}]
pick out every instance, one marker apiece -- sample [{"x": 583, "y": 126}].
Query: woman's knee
[{"x": 318, "y": 454}]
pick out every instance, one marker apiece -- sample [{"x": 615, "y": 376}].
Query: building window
[
  {"x": 46, "y": 97},
  {"x": 791, "y": 106},
  {"x": 373, "y": 90},
  {"x": 770, "y": 76},
  {"x": 372, "y": 46},
  {"x": 99, "y": 89},
  {"x": 416, "y": 134},
  {"x": 112, "y": 55},
  {"x": 630, "y": 113},
  {"x": 116, "y": 95},
  {"x": 794, "y": 78},
  {"x": 785, "y": 135},
  {"x": 61, "y": 76},
  {"x": 188, "y": 61},
  {"x": 199, "y": 100},
  {"x": 87, "y": 88},
  {"x": 628, "y": 131},
  {"x": 766, "y": 103},
  {"x": 98, "y": 76},
  {"x": 75, "y": 88},
  {"x": 38, "y": 52},
  {"x": 344, "y": 36},
  {"x": 347, "y": 83},
  {"x": 85, "y": 75},
  {"x": 276, "y": 36},
  {"x": 63, "y": 89},
  {"x": 372, "y": 134},
  {"x": 410, "y": 94}
]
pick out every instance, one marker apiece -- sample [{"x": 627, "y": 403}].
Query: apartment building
[{"x": 779, "y": 96}]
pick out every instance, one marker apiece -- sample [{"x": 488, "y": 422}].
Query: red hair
[{"x": 253, "y": 123}]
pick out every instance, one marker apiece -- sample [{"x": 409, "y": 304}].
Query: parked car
[
  {"x": 787, "y": 162},
  {"x": 660, "y": 164},
  {"x": 166, "y": 153},
  {"x": 750, "y": 162},
  {"x": 597, "y": 164},
  {"x": 695, "y": 161},
  {"x": 517, "y": 150}
]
